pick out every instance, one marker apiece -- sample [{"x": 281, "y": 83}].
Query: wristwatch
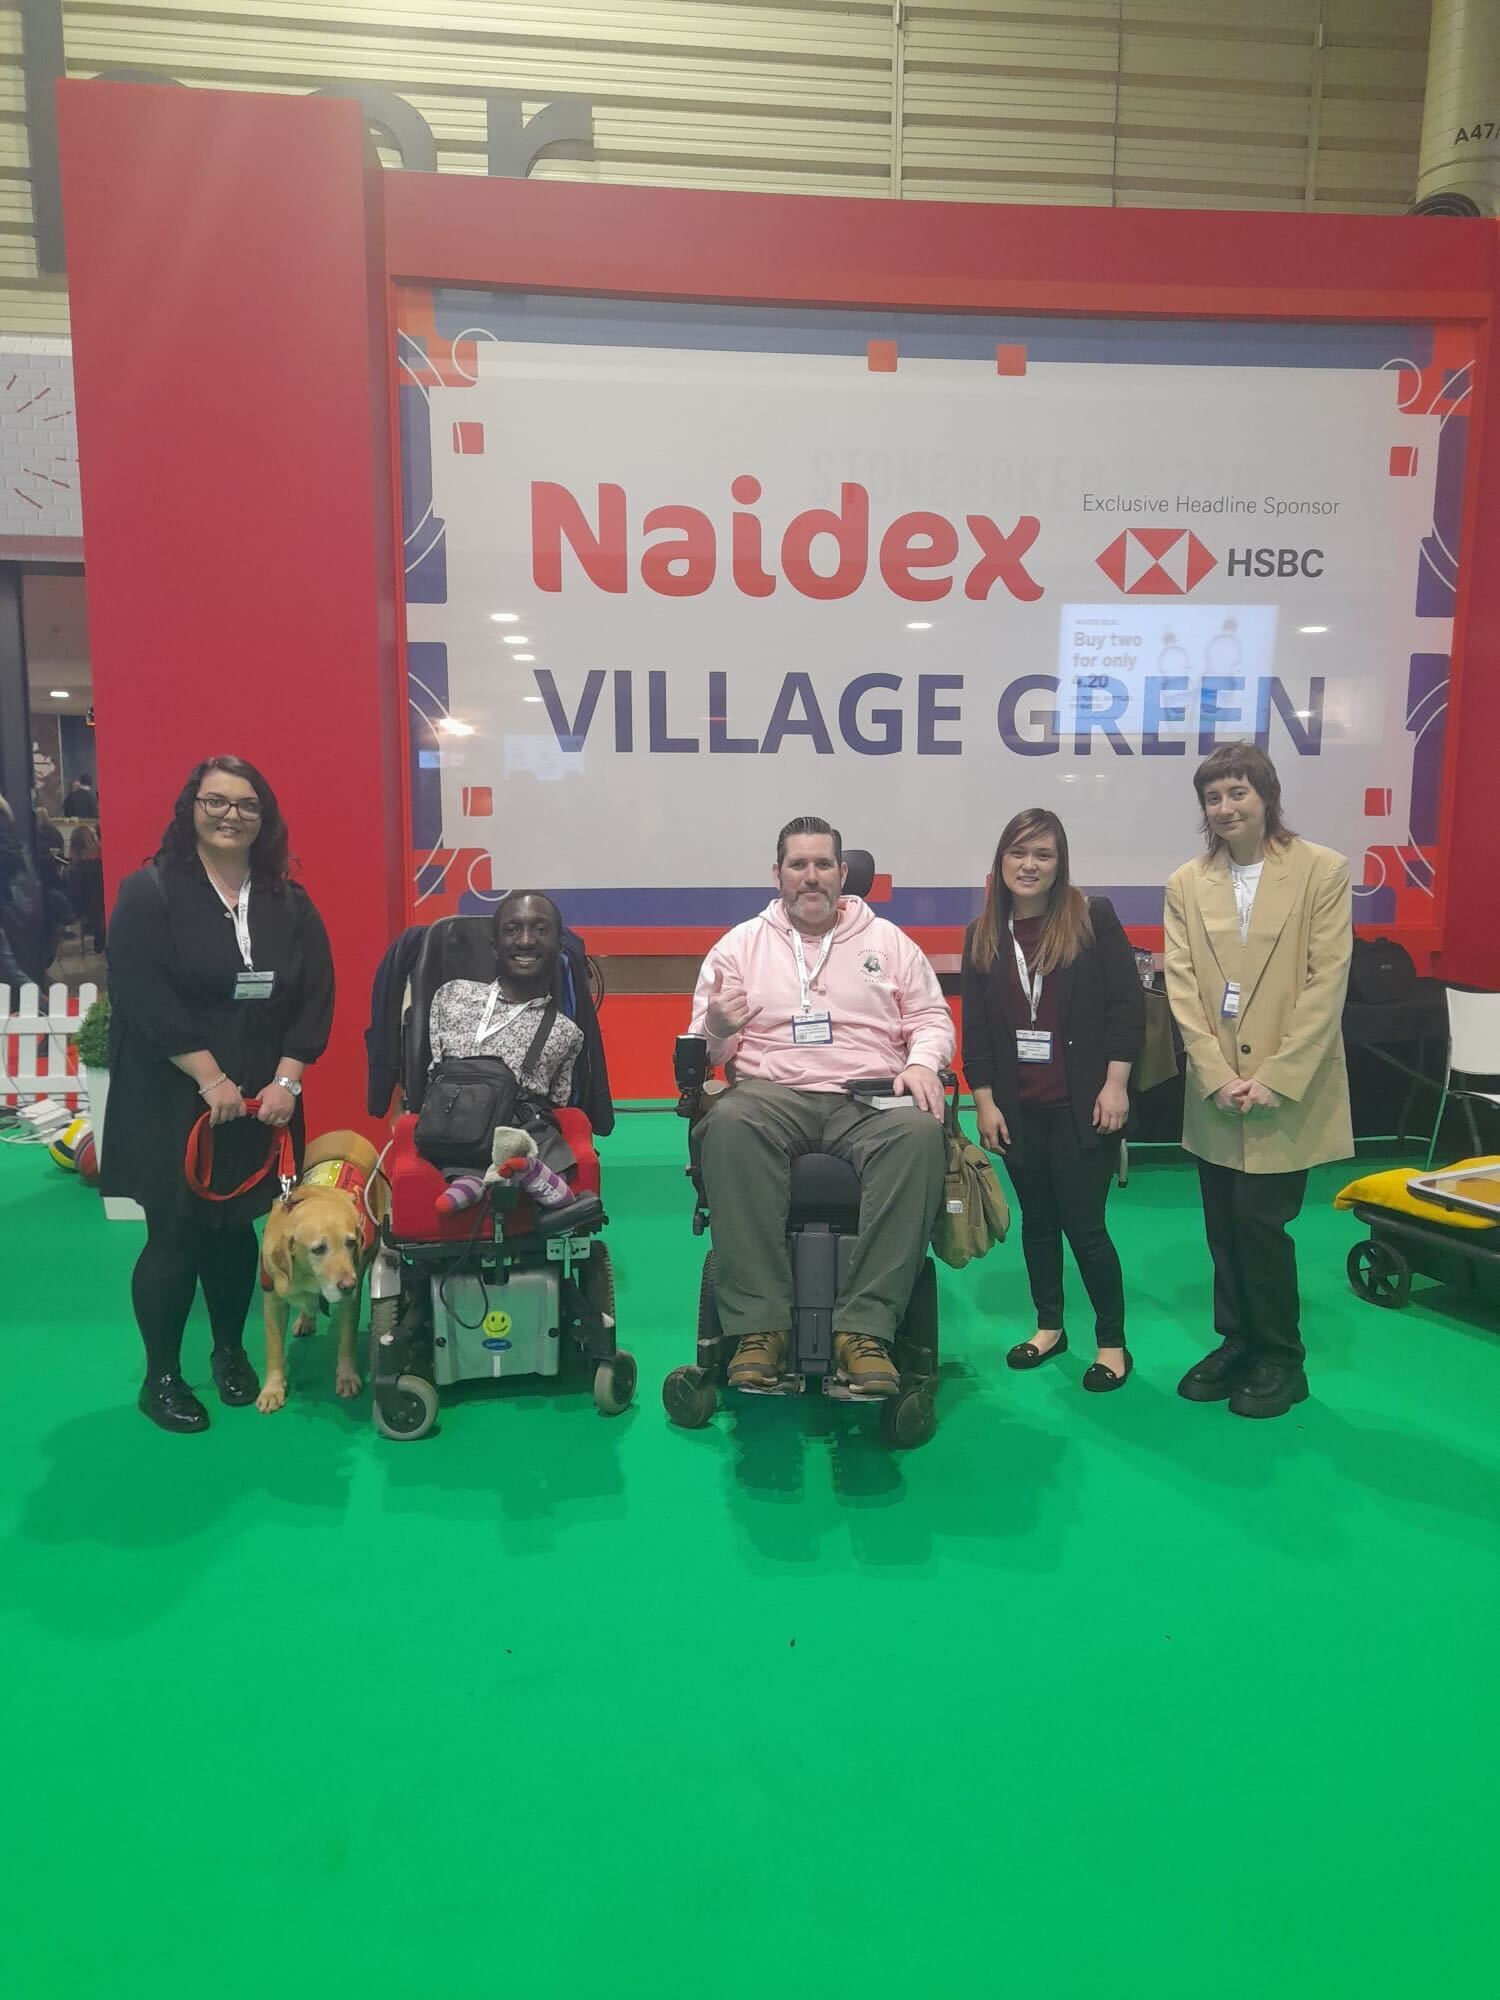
[{"x": 291, "y": 1083}]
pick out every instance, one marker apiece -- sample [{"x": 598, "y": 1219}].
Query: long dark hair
[
  {"x": 270, "y": 861},
  {"x": 1066, "y": 929},
  {"x": 1250, "y": 762}
]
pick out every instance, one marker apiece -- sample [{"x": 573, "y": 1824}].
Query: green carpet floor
[{"x": 1108, "y": 1694}]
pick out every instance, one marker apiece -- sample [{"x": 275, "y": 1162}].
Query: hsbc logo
[{"x": 1156, "y": 562}]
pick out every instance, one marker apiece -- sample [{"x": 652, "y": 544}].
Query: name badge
[
  {"x": 1033, "y": 1045},
  {"x": 250, "y": 985},
  {"x": 809, "y": 1029},
  {"x": 1229, "y": 1006}
]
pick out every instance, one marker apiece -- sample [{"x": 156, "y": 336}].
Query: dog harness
[{"x": 344, "y": 1177}]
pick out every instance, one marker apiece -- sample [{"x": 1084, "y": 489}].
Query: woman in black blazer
[{"x": 1053, "y": 1018}]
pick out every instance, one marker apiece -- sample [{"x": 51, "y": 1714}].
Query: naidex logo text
[
  {"x": 823, "y": 552},
  {"x": 1169, "y": 562}
]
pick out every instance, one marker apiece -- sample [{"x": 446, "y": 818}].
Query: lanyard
[
  {"x": 804, "y": 977},
  {"x": 517, "y": 1008},
  {"x": 240, "y": 911},
  {"x": 1031, "y": 983}
]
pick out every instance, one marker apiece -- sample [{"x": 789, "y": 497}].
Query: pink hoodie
[{"x": 887, "y": 1007}]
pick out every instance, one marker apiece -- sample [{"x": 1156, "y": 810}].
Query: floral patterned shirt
[{"x": 458, "y": 1011}]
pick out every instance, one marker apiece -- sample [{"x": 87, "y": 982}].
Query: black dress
[{"x": 173, "y": 962}]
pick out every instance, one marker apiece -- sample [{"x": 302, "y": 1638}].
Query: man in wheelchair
[
  {"x": 813, "y": 995},
  {"x": 495, "y": 1011}
]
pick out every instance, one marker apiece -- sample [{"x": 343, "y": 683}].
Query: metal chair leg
[{"x": 1437, "y": 1123}]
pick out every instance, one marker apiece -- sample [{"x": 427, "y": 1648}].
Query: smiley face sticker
[{"x": 497, "y": 1324}]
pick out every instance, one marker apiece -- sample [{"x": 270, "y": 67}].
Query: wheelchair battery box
[{"x": 501, "y": 1326}]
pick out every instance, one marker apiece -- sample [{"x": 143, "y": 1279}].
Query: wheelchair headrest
[
  {"x": 454, "y": 948},
  {"x": 861, "y": 866}
]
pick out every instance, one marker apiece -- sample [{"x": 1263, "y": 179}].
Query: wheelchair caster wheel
[
  {"x": 690, "y": 1398},
  {"x": 909, "y": 1419},
  {"x": 614, "y": 1384},
  {"x": 409, "y": 1410}
]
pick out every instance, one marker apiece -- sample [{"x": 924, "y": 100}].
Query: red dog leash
[{"x": 198, "y": 1164}]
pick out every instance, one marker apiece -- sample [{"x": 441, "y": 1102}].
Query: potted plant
[{"x": 92, "y": 1040}]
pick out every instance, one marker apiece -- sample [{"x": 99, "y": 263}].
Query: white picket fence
[{"x": 36, "y": 1057}]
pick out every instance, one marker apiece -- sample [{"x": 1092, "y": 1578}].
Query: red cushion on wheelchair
[{"x": 416, "y": 1184}]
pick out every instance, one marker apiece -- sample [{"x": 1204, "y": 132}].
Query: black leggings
[
  {"x": 182, "y": 1253},
  {"x": 1062, "y": 1186}
]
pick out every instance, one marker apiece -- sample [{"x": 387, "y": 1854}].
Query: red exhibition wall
[{"x": 232, "y": 263}]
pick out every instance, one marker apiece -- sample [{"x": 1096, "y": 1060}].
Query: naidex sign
[
  {"x": 914, "y": 557},
  {"x": 676, "y": 573}
]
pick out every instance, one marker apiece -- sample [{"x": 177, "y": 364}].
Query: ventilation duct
[{"x": 1460, "y": 168}]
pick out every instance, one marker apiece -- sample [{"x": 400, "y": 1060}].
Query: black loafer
[
  {"x": 1268, "y": 1391},
  {"x": 170, "y": 1403},
  {"x": 1214, "y": 1377},
  {"x": 1099, "y": 1379},
  {"x": 235, "y": 1379},
  {"x": 1029, "y": 1355}
]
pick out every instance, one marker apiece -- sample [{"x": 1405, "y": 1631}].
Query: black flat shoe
[
  {"x": 1099, "y": 1380},
  {"x": 1029, "y": 1355},
  {"x": 234, "y": 1377},
  {"x": 170, "y": 1403}
]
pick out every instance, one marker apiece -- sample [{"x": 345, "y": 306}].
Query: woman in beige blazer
[{"x": 1258, "y": 938}]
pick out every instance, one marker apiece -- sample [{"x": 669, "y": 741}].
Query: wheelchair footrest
[{"x": 845, "y": 1392}]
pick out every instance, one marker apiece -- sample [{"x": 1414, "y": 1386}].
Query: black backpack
[
  {"x": 1381, "y": 972},
  {"x": 468, "y": 1096}
]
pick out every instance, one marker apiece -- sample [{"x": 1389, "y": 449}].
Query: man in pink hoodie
[{"x": 813, "y": 993}]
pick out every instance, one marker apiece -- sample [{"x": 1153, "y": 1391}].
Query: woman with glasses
[{"x": 221, "y": 989}]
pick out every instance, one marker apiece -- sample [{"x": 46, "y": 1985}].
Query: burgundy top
[{"x": 1040, "y": 1083}]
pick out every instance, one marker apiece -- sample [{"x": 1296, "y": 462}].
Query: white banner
[{"x": 680, "y": 592}]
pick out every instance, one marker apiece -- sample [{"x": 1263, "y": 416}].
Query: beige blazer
[{"x": 1292, "y": 970}]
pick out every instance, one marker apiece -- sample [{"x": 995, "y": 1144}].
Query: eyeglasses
[{"x": 220, "y": 808}]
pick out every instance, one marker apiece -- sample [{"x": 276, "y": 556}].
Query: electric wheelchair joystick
[{"x": 690, "y": 1068}]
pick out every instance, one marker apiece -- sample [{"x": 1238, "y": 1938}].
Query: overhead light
[
  {"x": 920, "y": 625},
  {"x": 1312, "y": 628},
  {"x": 505, "y": 617},
  {"x": 515, "y": 639},
  {"x": 523, "y": 656},
  {"x": 58, "y": 694},
  {"x": 451, "y": 726},
  {"x": 531, "y": 697}
]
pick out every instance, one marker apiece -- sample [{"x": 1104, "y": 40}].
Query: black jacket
[
  {"x": 1101, "y": 1011},
  {"x": 173, "y": 963}
]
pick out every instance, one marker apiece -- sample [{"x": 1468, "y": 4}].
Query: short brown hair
[
  {"x": 807, "y": 824},
  {"x": 1250, "y": 762}
]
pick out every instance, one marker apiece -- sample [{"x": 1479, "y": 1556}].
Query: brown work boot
[
  {"x": 867, "y": 1362},
  {"x": 758, "y": 1361}
]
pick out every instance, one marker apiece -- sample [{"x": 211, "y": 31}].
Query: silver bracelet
[{"x": 205, "y": 1088}]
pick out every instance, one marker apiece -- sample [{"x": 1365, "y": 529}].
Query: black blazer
[
  {"x": 1101, "y": 1011},
  {"x": 172, "y": 968}
]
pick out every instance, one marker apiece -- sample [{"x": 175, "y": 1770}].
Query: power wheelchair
[
  {"x": 822, "y": 1227},
  {"x": 500, "y": 1290}
]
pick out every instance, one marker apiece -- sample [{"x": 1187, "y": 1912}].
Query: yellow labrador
[{"x": 315, "y": 1250}]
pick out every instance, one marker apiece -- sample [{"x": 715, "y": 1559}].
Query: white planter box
[{"x": 117, "y": 1207}]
